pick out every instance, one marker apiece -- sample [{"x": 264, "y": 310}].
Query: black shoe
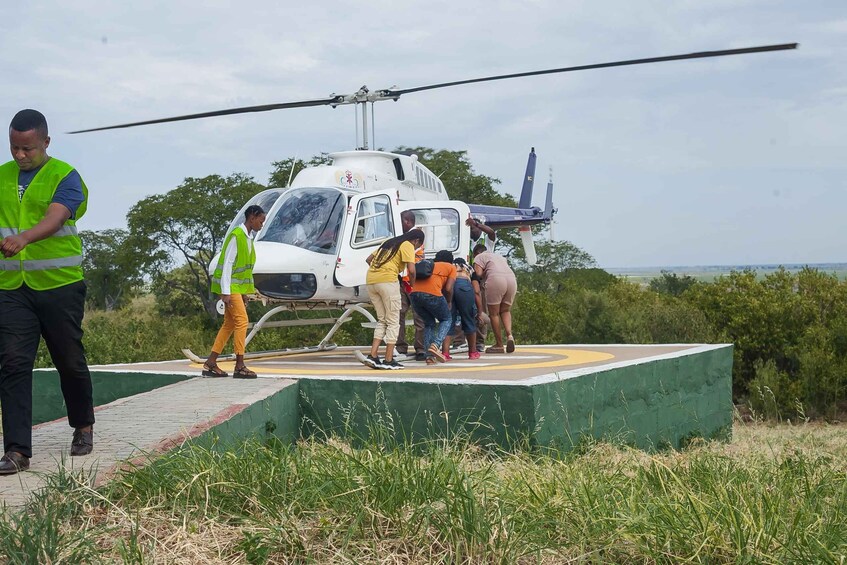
[
  {"x": 13, "y": 462},
  {"x": 83, "y": 442},
  {"x": 420, "y": 356},
  {"x": 373, "y": 362},
  {"x": 392, "y": 365},
  {"x": 402, "y": 351}
]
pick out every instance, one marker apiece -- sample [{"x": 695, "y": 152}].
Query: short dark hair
[
  {"x": 253, "y": 211},
  {"x": 408, "y": 216},
  {"x": 444, "y": 256},
  {"x": 479, "y": 248},
  {"x": 27, "y": 120}
]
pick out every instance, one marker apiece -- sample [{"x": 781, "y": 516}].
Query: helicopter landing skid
[
  {"x": 191, "y": 356},
  {"x": 324, "y": 345}
]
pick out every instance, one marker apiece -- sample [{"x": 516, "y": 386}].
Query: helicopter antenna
[
  {"x": 364, "y": 95},
  {"x": 291, "y": 174}
]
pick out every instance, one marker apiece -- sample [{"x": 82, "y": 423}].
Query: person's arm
[
  {"x": 478, "y": 270},
  {"x": 226, "y": 275},
  {"x": 487, "y": 230},
  {"x": 477, "y": 295},
  {"x": 448, "y": 290},
  {"x": 55, "y": 217},
  {"x": 410, "y": 272}
]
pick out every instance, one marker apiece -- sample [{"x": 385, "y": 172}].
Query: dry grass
[{"x": 773, "y": 494}]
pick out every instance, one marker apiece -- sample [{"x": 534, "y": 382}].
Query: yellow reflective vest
[
  {"x": 242, "y": 269},
  {"x": 54, "y": 261}
]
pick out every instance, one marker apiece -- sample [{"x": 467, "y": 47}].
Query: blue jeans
[{"x": 435, "y": 314}]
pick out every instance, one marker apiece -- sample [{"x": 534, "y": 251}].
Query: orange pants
[{"x": 235, "y": 323}]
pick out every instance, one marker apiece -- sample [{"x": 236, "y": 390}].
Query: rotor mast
[{"x": 363, "y": 97}]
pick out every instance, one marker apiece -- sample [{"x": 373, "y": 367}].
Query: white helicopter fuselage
[{"x": 319, "y": 231}]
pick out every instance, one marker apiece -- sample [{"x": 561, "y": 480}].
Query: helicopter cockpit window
[
  {"x": 309, "y": 218},
  {"x": 441, "y": 226},
  {"x": 373, "y": 221}
]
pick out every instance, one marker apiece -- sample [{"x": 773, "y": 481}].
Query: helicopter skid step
[{"x": 191, "y": 356}]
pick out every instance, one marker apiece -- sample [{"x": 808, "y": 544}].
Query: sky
[{"x": 737, "y": 160}]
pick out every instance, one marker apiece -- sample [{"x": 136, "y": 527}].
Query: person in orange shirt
[{"x": 430, "y": 299}]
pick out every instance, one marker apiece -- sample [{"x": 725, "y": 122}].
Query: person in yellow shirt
[{"x": 385, "y": 265}]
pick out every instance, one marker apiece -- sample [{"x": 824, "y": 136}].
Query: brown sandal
[
  {"x": 495, "y": 349},
  {"x": 213, "y": 371},
  {"x": 243, "y": 372}
]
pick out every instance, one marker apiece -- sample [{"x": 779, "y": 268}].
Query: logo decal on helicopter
[{"x": 349, "y": 179}]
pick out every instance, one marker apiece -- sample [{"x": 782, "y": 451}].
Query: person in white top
[{"x": 232, "y": 294}]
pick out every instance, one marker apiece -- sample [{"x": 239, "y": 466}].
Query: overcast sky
[{"x": 739, "y": 160}]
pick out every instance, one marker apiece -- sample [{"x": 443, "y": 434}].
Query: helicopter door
[
  {"x": 370, "y": 221},
  {"x": 443, "y": 224}
]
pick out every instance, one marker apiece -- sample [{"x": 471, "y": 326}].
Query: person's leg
[
  {"x": 380, "y": 307},
  {"x": 402, "y": 346},
  {"x": 421, "y": 306},
  {"x": 445, "y": 325},
  {"x": 391, "y": 298},
  {"x": 60, "y": 312},
  {"x": 494, "y": 315},
  {"x": 506, "y": 312},
  {"x": 227, "y": 328},
  {"x": 419, "y": 332},
  {"x": 239, "y": 325},
  {"x": 19, "y": 336}
]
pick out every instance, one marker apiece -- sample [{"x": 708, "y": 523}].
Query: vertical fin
[{"x": 528, "y": 180}]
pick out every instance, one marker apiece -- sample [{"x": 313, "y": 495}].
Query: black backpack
[{"x": 423, "y": 268}]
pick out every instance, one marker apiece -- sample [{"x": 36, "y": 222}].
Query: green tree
[
  {"x": 285, "y": 170},
  {"x": 185, "y": 228},
  {"x": 113, "y": 269},
  {"x": 671, "y": 283}
]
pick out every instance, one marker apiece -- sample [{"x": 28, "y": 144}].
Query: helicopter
[{"x": 319, "y": 230}]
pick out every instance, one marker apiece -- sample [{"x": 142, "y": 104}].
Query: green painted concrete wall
[
  {"x": 653, "y": 404},
  {"x": 415, "y": 410},
  {"x": 276, "y": 416},
  {"x": 650, "y": 405},
  {"x": 48, "y": 404}
]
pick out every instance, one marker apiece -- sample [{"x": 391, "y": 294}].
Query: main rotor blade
[
  {"x": 243, "y": 110},
  {"x": 699, "y": 55}
]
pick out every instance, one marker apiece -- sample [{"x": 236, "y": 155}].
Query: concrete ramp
[{"x": 151, "y": 423}]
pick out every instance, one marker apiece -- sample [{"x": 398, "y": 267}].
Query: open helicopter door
[
  {"x": 371, "y": 218},
  {"x": 443, "y": 224}
]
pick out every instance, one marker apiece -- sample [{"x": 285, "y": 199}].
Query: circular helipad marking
[{"x": 560, "y": 358}]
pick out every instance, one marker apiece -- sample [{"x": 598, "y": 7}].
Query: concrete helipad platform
[{"x": 649, "y": 396}]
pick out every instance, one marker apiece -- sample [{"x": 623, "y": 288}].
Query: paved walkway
[{"x": 148, "y": 423}]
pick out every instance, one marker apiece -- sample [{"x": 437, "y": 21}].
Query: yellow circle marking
[{"x": 563, "y": 358}]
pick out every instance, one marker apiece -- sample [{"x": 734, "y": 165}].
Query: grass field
[{"x": 774, "y": 494}]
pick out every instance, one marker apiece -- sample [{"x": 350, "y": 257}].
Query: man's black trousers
[{"x": 25, "y": 316}]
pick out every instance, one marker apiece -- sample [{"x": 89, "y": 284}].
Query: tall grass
[{"x": 779, "y": 500}]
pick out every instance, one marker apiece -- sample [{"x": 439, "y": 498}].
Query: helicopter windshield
[{"x": 309, "y": 218}]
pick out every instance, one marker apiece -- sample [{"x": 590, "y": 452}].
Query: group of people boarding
[{"x": 448, "y": 303}]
